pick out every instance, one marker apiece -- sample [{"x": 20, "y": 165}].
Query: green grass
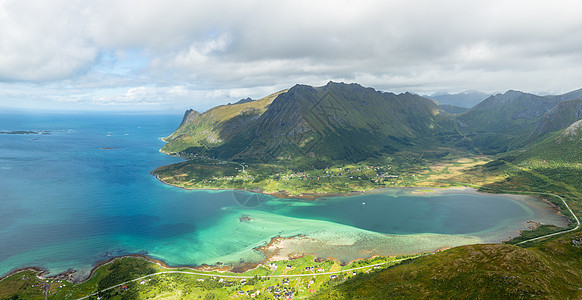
[
  {"x": 191, "y": 286},
  {"x": 212, "y": 127},
  {"x": 346, "y": 177},
  {"x": 551, "y": 270}
]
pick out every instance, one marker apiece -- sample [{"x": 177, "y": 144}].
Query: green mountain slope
[
  {"x": 335, "y": 122},
  {"x": 217, "y": 125},
  {"x": 550, "y": 271},
  {"x": 513, "y": 113},
  {"x": 514, "y": 119},
  {"x": 338, "y": 121},
  {"x": 453, "y": 109},
  {"x": 552, "y": 163},
  {"x": 563, "y": 146}
]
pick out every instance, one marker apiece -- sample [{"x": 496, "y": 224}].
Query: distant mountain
[
  {"x": 341, "y": 121},
  {"x": 336, "y": 121},
  {"x": 453, "y": 109},
  {"x": 513, "y": 112},
  {"x": 576, "y": 94},
  {"x": 466, "y": 99}
]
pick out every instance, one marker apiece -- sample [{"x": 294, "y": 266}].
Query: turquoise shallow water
[{"x": 83, "y": 194}]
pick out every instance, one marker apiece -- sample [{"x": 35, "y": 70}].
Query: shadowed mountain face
[
  {"x": 518, "y": 113},
  {"x": 511, "y": 120},
  {"x": 559, "y": 117},
  {"x": 513, "y": 112},
  {"x": 336, "y": 121},
  {"x": 349, "y": 122}
]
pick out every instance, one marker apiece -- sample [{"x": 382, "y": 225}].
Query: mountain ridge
[{"x": 311, "y": 121}]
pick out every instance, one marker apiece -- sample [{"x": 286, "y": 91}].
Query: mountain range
[
  {"x": 465, "y": 99},
  {"x": 349, "y": 122}
]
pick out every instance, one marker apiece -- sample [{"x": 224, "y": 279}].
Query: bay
[{"x": 83, "y": 193}]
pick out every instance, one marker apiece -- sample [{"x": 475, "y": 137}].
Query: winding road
[
  {"x": 555, "y": 233},
  {"x": 245, "y": 277}
]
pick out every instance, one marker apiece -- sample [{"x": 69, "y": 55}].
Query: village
[
  {"x": 286, "y": 279},
  {"x": 292, "y": 279},
  {"x": 219, "y": 174}
]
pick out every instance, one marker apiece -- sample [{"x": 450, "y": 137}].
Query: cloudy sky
[{"x": 171, "y": 55}]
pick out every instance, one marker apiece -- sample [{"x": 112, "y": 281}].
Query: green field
[{"x": 137, "y": 278}]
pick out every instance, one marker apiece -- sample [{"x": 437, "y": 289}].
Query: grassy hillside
[
  {"x": 305, "y": 125},
  {"x": 551, "y": 270},
  {"x": 553, "y": 164},
  {"x": 217, "y": 125}
]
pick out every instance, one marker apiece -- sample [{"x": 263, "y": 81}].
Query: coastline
[
  {"x": 270, "y": 253},
  {"x": 413, "y": 190},
  {"x": 272, "y": 248},
  {"x": 279, "y": 194},
  {"x": 312, "y": 196}
]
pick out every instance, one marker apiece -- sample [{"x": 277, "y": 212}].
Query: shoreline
[
  {"x": 270, "y": 256},
  {"x": 280, "y": 194},
  {"x": 270, "y": 250},
  {"x": 312, "y": 196}
]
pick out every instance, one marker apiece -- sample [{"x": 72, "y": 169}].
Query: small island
[{"x": 25, "y": 132}]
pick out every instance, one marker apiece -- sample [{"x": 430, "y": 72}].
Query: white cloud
[
  {"x": 41, "y": 41},
  {"x": 220, "y": 50}
]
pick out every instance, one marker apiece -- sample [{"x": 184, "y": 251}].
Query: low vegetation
[
  {"x": 550, "y": 270},
  {"x": 137, "y": 278}
]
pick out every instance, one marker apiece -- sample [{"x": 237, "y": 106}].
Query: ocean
[{"x": 82, "y": 192}]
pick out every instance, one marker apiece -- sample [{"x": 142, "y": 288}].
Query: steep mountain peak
[
  {"x": 241, "y": 101},
  {"x": 335, "y": 121},
  {"x": 189, "y": 116}
]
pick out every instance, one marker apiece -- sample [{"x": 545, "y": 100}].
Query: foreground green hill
[
  {"x": 551, "y": 270},
  {"x": 548, "y": 270}
]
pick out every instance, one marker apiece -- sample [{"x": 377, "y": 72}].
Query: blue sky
[{"x": 172, "y": 55}]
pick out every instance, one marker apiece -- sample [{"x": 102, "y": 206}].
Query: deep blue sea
[{"x": 83, "y": 193}]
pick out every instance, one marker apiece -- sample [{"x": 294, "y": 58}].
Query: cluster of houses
[
  {"x": 313, "y": 269},
  {"x": 252, "y": 294},
  {"x": 328, "y": 174},
  {"x": 281, "y": 292}
]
